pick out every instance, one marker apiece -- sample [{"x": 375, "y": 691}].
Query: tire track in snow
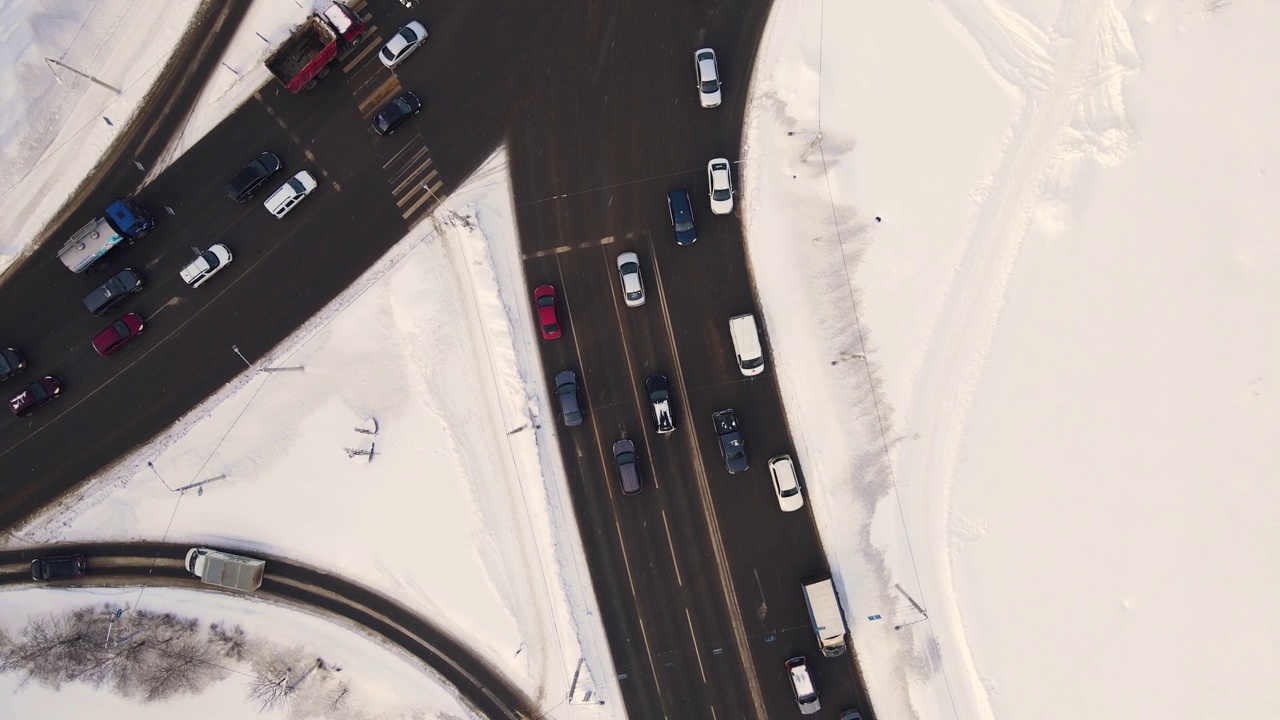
[{"x": 1070, "y": 79}]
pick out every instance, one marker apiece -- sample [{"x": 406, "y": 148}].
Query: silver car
[
  {"x": 720, "y": 179},
  {"x": 632, "y": 283},
  {"x": 402, "y": 44},
  {"x": 628, "y": 464},
  {"x": 708, "y": 74}
]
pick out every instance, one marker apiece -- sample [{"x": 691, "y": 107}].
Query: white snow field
[{"x": 1019, "y": 274}]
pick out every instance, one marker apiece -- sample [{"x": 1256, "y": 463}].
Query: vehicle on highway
[
  {"x": 290, "y": 194},
  {"x": 396, "y": 112},
  {"x": 567, "y": 391},
  {"x": 113, "y": 292},
  {"x": 303, "y": 60},
  {"x": 681, "y": 212},
  {"x": 628, "y": 464},
  {"x": 720, "y": 180},
  {"x": 746, "y": 344},
  {"x": 659, "y": 392},
  {"x": 246, "y": 182},
  {"x": 58, "y": 567},
  {"x": 224, "y": 569},
  {"x": 632, "y": 283},
  {"x": 733, "y": 447},
  {"x": 544, "y": 301},
  {"x": 802, "y": 688},
  {"x": 11, "y": 363},
  {"x": 123, "y": 221},
  {"x": 206, "y": 265},
  {"x": 36, "y": 395},
  {"x": 850, "y": 715},
  {"x": 786, "y": 484},
  {"x": 118, "y": 334},
  {"x": 708, "y": 74},
  {"x": 826, "y": 615},
  {"x": 402, "y": 44}
]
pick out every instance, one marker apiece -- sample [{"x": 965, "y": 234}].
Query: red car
[
  {"x": 37, "y": 393},
  {"x": 118, "y": 334},
  {"x": 544, "y": 299}
]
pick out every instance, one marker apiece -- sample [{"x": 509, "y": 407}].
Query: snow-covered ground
[{"x": 1034, "y": 245}]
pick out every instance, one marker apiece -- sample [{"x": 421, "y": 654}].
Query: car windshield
[
  {"x": 626, "y": 458},
  {"x": 409, "y": 35},
  {"x": 119, "y": 328},
  {"x": 659, "y": 395},
  {"x": 684, "y": 225},
  {"x": 210, "y": 259},
  {"x": 546, "y": 301},
  {"x": 37, "y": 393},
  {"x": 296, "y": 185}
]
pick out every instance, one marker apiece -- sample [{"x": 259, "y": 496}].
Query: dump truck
[
  {"x": 826, "y": 615},
  {"x": 226, "y": 570},
  {"x": 303, "y": 60},
  {"x": 124, "y": 220}
]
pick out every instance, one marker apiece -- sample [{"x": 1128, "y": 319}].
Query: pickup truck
[
  {"x": 303, "y": 60},
  {"x": 733, "y": 448}
]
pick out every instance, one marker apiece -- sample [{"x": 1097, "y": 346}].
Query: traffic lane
[
  {"x": 645, "y": 340},
  {"x": 616, "y": 408}
]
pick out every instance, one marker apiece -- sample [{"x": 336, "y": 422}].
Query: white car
[
  {"x": 207, "y": 265},
  {"x": 290, "y": 194},
  {"x": 720, "y": 178},
  {"x": 708, "y": 74},
  {"x": 786, "y": 484},
  {"x": 632, "y": 283},
  {"x": 402, "y": 44}
]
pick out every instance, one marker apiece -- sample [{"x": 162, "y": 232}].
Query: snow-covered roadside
[
  {"x": 381, "y": 682},
  {"x": 455, "y": 516}
]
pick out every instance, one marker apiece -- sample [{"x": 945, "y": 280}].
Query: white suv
[
  {"x": 206, "y": 265},
  {"x": 802, "y": 686},
  {"x": 290, "y": 194},
  {"x": 786, "y": 484},
  {"x": 720, "y": 178}
]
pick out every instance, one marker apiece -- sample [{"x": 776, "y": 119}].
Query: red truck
[{"x": 303, "y": 60}]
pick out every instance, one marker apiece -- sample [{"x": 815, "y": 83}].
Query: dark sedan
[
  {"x": 60, "y": 567},
  {"x": 396, "y": 112},
  {"x": 681, "y": 212},
  {"x": 247, "y": 181},
  {"x": 11, "y": 361},
  {"x": 37, "y": 394},
  {"x": 567, "y": 390}
]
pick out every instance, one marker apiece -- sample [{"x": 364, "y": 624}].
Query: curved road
[{"x": 286, "y": 582}]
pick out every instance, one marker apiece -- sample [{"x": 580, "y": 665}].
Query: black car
[
  {"x": 659, "y": 392},
  {"x": 113, "y": 292},
  {"x": 681, "y": 211},
  {"x": 733, "y": 448},
  {"x": 396, "y": 112},
  {"x": 11, "y": 361},
  {"x": 247, "y": 181},
  {"x": 567, "y": 390},
  {"x": 60, "y": 567},
  {"x": 35, "y": 395}
]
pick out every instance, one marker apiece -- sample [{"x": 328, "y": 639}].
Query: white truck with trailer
[
  {"x": 226, "y": 570},
  {"x": 826, "y": 615}
]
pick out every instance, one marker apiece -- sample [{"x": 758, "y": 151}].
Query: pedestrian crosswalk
[{"x": 411, "y": 177}]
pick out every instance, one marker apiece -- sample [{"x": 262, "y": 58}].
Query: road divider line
[
  {"x": 672, "y": 547},
  {"x": 694, "y": 637},
  {"x": 376, "y": 98},
  {"x": 372, "y": 42},
  {"x": 412, "y": 177}
]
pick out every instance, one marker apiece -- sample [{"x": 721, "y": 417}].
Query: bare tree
[
  {"x": 270, "y": 691},
  {"x": 230, "y": 642}
]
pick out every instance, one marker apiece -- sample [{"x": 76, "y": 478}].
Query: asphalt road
[
  {"x": 698, "y": 577},
  {"x": 289, "y": 583}
]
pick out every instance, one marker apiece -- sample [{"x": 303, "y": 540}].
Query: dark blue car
[{"x": 681, "y": 211}]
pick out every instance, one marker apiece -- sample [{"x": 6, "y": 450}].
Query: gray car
[
  {"x": 628, "y": 464},
  {"x": 567, "y": 391}
]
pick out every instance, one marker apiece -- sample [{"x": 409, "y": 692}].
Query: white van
[
  {"x": 746, "y": 344},
  {"x": 290, "y": 194}
]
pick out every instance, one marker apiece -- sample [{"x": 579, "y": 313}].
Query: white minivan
[
  {"x": 290, "y": 194},
  {"x": 746, "y": 344}
]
